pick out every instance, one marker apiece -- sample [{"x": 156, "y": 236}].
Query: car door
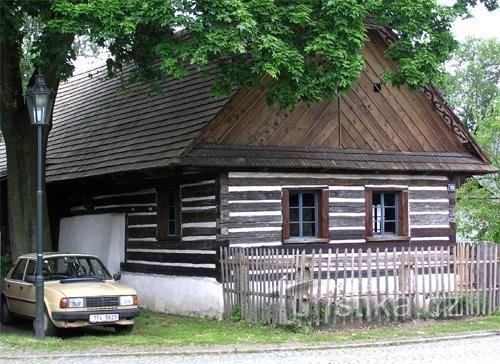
[
  {"x": 14, "y": 287},
  {"x": 28, "y": 292}
]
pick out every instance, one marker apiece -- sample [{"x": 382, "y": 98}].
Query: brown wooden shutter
[
  {"x": 323, "y": 220},
  {"x": 368, "y": 213},
  {"x": 403, "y": 214},
  {"x": 161, "y": 214},
  {"x": 285, "y": 206}
]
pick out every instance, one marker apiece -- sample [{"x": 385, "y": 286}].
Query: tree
[
  {"x": 472, "y": 89},
  {"x": 302, "y": 49},
  {"x": 473, "y": 80},
  {"x": 478, "y": 206}
]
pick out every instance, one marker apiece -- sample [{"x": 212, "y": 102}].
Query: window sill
[
  {"x": 370, "y": 239},
  {"x": 306, "y": 241}
]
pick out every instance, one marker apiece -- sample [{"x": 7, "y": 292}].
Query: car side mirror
[
  {"x": 117, "y": 276},
  {"x": 30, "y": 278}
]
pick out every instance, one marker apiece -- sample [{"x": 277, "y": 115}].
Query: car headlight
[
  {"x": 74, "y": 302},
  {"x": 126, "y": 300}
]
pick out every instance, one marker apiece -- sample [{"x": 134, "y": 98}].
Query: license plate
[{"x": 109, "y": 317}]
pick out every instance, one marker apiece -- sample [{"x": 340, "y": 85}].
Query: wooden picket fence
[{"x": 332, "y": 286}]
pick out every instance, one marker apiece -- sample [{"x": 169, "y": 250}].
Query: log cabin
[{"x": 155, "y": 183}]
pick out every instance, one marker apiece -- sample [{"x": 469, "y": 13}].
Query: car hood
[{"x": 88, "y": 289}]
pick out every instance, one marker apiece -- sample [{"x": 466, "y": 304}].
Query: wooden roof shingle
[{"x": 101, "y": 127}]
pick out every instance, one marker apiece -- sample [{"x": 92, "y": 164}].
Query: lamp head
[{"x": 39, "y": 99}]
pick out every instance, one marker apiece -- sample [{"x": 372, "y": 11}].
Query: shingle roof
[
  {"x": 101, "y": 127},
  {"x": 341, "y": 159}
]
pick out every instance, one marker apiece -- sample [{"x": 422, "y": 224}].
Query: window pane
[
  {"x": 376, "y": 227},
  {"x": 390, "y": 227},
  {"x": 390, "y": 214},
  {"x": 19, "y": 271},
  {"x": 294, "y": 199},
  {"x": 309, "y": 230},
  {"x": 309, "y": 215},
  {"x": 31, "y": 268},
  {"x": 376, "y": 198},
  {"x": 294, "y": 229},
  {"x": 294, "y": 215},
  {"x": 308, "y": 199},
  {"x": 390, "y": 199},
  {"x": 171, "y": 228}
]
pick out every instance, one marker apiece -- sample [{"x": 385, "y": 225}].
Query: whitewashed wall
[
  {"x": 102, "y": 235},
  {"x": 198, "y": 296}
]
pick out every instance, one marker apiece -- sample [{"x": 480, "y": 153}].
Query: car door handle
[{"x": 21, "y": 287}]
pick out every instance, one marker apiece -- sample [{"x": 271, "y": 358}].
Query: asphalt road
[{"x": 458, "y": 351}]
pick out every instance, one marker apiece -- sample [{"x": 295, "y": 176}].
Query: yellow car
[{"x": 78, "y": 291}]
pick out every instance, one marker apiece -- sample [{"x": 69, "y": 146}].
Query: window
[
  {"x": 18, "y": 272},
  {"x": 305, "y": 215},
  {"x": 168, "y": 206},
  {"x": 30, "y": 271},
  {"x": 386, "y": 213}
]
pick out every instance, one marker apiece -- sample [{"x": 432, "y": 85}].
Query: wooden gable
[{"x": 368, "y": 118}]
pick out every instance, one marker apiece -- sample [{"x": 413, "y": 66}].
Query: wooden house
[{"x": 170, "y": 177}]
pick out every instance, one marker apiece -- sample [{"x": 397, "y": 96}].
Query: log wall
[
  {"x": 251, "y": 213},
  {"x": 193, "y": 253}
]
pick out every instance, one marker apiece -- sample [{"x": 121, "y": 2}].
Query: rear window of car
[{"x": 18, "y": 272}]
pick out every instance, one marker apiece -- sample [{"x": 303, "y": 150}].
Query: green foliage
[
  {"x": 473, "y": 81},
  {"x": 305, "y": 49},
  {"x": 478, "y": 212},
  {"x": 236, "y": 313},
  {"x": 472, "y": 89},
  {"x": 5, "y": 264}
]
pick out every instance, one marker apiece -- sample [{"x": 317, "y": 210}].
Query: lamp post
[{"x": 39, "y": 99}]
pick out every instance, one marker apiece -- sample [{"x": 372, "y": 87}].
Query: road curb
[{"x": 249, "y": 349}]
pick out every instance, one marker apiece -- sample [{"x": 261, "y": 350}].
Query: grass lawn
[{"x": 154, "y": 329}]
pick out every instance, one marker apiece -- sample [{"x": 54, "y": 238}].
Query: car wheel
[
  {"x": 48, "y": 327},
  {"x": 124, "y": 329},
  {"x": 7, "y": 316}
]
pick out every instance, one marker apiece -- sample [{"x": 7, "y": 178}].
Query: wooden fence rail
[{"x": 335, "y": 286}]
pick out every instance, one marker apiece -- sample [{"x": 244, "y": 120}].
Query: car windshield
[{"x": 74, "y": 267}]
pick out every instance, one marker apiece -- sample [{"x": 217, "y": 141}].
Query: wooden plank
[
  {"x": 484, "y": 255},
  {"x": 422, "y": 267},
  {"x": 360, "y": 285},
  {"x": 490, "y": 278},
  {"x": 386, "y": 276},
  {"x": 328, "y": 294},
  {"x": 223, "y": 280},
  {"x": 415, "y": 288},
  {"x": 471, "y": 297},
  {"x": 395, "y": 278},
  {"x": 477, "y": 278},
  {"x": 496, "y": 290},
  {"x": 377, "y": 275},
  {"x": 318, "y": 295},
  {"x": 320, "y": 135},
  {"x": 310, "y": 300},
  {"x": 369, "y": 285},
  {"x": 335, "y": 295},
  {"x": 344, "y": 285}
]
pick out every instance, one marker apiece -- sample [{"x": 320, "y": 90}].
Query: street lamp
[{"x": 39, "y": 99}]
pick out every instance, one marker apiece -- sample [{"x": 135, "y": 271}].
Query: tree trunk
[{"x": 20, "y": 142}]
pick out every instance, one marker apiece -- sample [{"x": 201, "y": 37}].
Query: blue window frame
[
  {"x": 303, "y": 214},
  {"x": 385, "y": 208}
]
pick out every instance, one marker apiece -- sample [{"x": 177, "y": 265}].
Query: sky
[{"x": 483, "y": 24}]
